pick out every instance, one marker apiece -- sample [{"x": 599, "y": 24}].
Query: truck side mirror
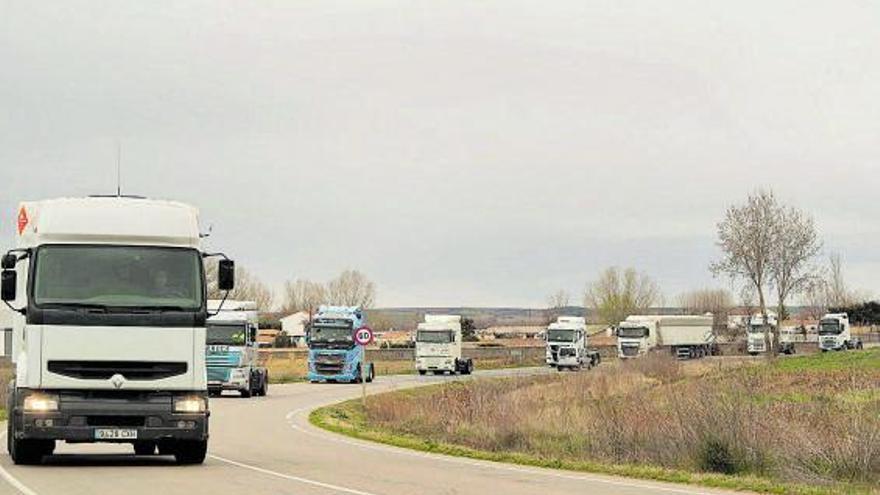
[
  {"x": 226, "y": 275},
  {"x": 8, "y": 262},
  {"x": 8, "y": 285}
]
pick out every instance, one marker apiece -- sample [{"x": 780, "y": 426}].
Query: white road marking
[
  {"x": 6, "y": 475},
  {"x": 289, "y": 477},
  {"x": 484, "y": 464}
]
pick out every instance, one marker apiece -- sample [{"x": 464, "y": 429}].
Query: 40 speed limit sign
[{"x": 363, "y": 336}]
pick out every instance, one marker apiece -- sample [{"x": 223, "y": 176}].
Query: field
[{"x": 798, "y": 425}]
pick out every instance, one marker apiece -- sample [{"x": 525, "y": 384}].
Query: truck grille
[
  {"x": 630, "y": 350},
  {"x": 218, "y": 374},
  {"x": 329, "y": 366},
  {"x": 103, "y": 370}
]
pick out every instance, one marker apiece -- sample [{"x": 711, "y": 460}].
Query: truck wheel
[
  {"x": 470, "y": 366},
  {"x": 144, "y": 448},
  {"x": 423, "y": 372},
  {"x": 247, "y": 391},
  {"x": 190, "y": 451},
  {"x": 357, "y": 375},
  {"x": 264, "y": 385},
  {"x": 372, "y": 374}
]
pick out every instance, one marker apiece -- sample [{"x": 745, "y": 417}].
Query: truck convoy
[
  {"x": 109, "y": 327},
  {"x": 333, "y": 354},
  {"x": 761, "y": 330},
  {"x": 835, "y": 333},
  {"x": 567, "y": 345},
  {"x": 232, "y": 349},
  {"x": 686, "y": 337},
  {"x": 438, "y": 346}
]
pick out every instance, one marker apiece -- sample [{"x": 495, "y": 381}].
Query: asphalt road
[{"x": 266, "y": 446}]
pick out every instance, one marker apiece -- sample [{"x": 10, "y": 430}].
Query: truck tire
[
  {"x": 190, "y": 451},
  {"x": 144, "y": 448},
  {"x": 372, "y": 373},
  {"x": 248, "y": 391},
  {"x": 423, "y": 372},
  {"x": 29, "y": 452},
  {"x": 264, "y": 384}
]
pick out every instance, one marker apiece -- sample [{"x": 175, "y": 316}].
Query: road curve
[{"x": 266, "y": 446}]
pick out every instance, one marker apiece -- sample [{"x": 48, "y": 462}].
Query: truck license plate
[{"x": 115, "y": 434}]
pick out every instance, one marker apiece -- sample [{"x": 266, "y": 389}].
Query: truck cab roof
[
  {"x": 108, "y": 220},
  {"x": 440, "y": 323}
]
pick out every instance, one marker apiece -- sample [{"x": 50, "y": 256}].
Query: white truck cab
[
  {"x": 109, "y": 300},
  {"x": 568, "y": 346},
  {"x": 835, "y": 333},
  {"x": 636, "y": 336},
  {"x": 438, "y": 346},
  {"x": 760, "y": 331},
  {"x": 232, "y": 357}
]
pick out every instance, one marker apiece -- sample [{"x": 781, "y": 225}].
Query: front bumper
[
  {"x": 81, "y": 413},
  {"x": 435, "y": 364},
  {"x": 339, "y": 377}
]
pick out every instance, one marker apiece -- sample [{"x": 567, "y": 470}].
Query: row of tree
[
  {"x": 766, "y": 247},
  {"x": 349, "y": 288}
]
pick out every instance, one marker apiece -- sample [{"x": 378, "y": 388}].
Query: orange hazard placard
[{"x": 22, "y": 220}]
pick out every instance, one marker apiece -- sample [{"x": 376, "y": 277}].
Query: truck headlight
[
  {"x": 190, "y": 404},
  {"x": 41, "y": 403}
]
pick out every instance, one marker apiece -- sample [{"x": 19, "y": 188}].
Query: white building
[{"x": 295, "y": 327}]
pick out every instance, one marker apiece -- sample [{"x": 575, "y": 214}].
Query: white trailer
[
  {"x": 686, "y": 337},
  {"x": 438, "y": 346},
  {"x": 835, "y": 333},
  {"x": 109, "y": 327},
  {"x": 568, "y": 346}
]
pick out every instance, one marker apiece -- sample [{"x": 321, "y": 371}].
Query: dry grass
[{"x": 790, "y": 423}]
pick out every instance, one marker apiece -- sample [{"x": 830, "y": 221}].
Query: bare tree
[
  {"x": 352, "y": 288},
  {"x": 617, "y": 294},
  {"x": 715, "y": 301},
  {"x": 791, "y": 271},
  {"x": 556, "y": 302},
  {"x": 247, "y": 287},
  {"x": 747, "y": 237},
  {"x": 559, "y": 299},
  {"x": 303, "y": 295}
]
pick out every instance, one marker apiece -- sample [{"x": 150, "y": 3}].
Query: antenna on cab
[{"x": 118, "y": 169}]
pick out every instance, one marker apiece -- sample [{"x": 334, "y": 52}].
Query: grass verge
[{"x": 390, "y": 418}]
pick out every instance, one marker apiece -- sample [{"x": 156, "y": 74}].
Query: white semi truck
[
  {"x": 761, "y": 330},
  {"x": 232, "y": 355},
  {"x": 835, "y": 333},
  {"x": 686, "y": 337},
  {"x": 438, "y": 346},
  {"x": 108, "y": 342},
  {"x": 568, "y": 345}
]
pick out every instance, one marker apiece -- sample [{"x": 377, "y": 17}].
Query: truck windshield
[
  {"x": 560, "y": 335},
  {"x": 118, "y": 277},
  {"x": 226, "y": 333},
  {"x": 632, "y": 332},
  {"x": 331, "y": 336},
  {"x": 434, "y": 337},
  {"x": 829, "y": 328}
]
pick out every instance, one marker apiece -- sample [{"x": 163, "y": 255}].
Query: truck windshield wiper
[{"x": 79, "y": 306}]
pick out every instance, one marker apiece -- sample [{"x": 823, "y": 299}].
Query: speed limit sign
[{"x": 363, "y": 336}]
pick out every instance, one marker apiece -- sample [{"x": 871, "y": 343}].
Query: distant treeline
[{"x": 862, "y": 314}]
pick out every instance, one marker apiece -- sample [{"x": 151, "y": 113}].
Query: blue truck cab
[
  {"x": 231, "y": 353},
  {"x": 333, "y": 354}
]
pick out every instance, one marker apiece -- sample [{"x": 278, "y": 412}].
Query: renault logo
[{"x": 117, "y": 380}]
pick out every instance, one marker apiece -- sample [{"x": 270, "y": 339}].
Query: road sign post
[{"x": 363, "y": 337}]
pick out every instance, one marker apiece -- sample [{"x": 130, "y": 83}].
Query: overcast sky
[{"x": 458, "y": 152}]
